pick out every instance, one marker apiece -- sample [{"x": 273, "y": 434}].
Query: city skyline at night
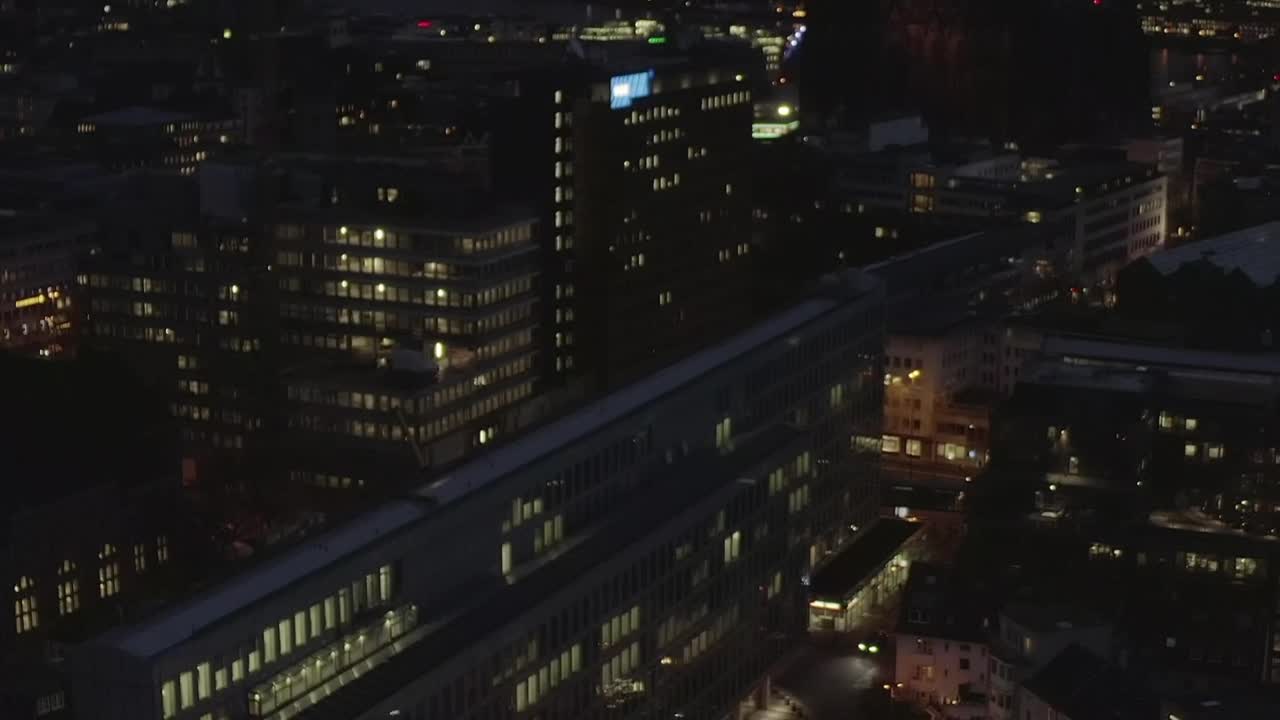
[{"x": 650, "y": 360}]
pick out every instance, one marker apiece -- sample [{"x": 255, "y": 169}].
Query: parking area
[{"x": 829, "y": 679}]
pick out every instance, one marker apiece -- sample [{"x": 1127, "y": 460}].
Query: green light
[{"x": 657, "y": 40}]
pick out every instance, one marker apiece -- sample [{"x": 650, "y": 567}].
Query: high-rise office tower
[
  {"x": 339, "y": 323},
  {"x": 406, "y": 315},
  {"x": 639, "y": 162}
]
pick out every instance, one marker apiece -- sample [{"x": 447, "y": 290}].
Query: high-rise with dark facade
[{"x": 639, "y": 161}]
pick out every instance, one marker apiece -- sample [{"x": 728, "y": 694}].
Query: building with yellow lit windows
[
  {"x": 144, "y": 137},
  {"x": 93, "y": 530},
  {"x": 646, "y": 554},
  {"x": 37, "y": 270},
  {"x": 406, "y": 336},
  {"x": 331, "y": 325}
]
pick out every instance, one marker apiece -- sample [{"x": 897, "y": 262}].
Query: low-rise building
[
  {"x": 942, "y": 647},
  {"x": 861, "y": 580}
]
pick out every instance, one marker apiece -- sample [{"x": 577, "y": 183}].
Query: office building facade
[
  {"x": 646, "y": 554},
  {"x": 643, "y": 194},
  {"x": 37, "y": 272},
  {"x": 332, "y": 323}
]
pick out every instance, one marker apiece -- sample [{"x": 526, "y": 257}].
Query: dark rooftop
[
  {"x": 1050, "y": 618},
  {"x": 75, "y": 425},
  {"x": 1237, "y": 705},
  {"x": 873, "y": 548},
  {"x": 935, "y": 604},
  {"x": 1083, "y": 686}
]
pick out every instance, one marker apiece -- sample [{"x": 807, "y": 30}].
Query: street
[{"x": 829, "y": 679}]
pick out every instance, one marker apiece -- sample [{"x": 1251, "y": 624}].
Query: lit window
[
  {"x": 890, "y": 444},
  {"x": 1243, "y": 567},
  {"x": 140, "y": 558},
  {"x": 506, "y": 558},
  {"x": 384, "y": 581},
  {"x": 316, "y": 623},
  {"x": 168, "y": 700},
  {"x": 1192, "y": 423},
  {"x": 108, "y": 572},
  {"x": 914, "y": 448},
  {"x": 26, "y": 611},
  {"x": 68, "y": 588},
  {"x": 724, "y": 433},
  {"x": 162, "y": 549},
  {"x": 1189, "y": 450},
  {"x": 186, "y": 690},
  {"x": 269, "y": 644},
  {"x": 732, "y": 546},
  {"x": 1214, "y": 451},
  {"x": 202, "y": 680}
]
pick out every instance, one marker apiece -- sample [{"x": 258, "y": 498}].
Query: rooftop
[
  {"x": 855, "y": 563},
  {"x": 1083, "y": 686},
  {"x": 160, "y": 633},
  {"x": 1253, "y": 251},
  {"x": 1101, "y": 351},
  {"x": 1050, "y": 618},
  {"x": 137, "y": 117},
  {"x": 1236, "y": 705},
  {"x": 935, "y": 604},
  {"x": 119, "y": 430},
  {"x": 1089, "y": 377}
]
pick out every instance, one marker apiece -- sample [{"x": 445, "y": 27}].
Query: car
[{"x": 873, "y": 644}]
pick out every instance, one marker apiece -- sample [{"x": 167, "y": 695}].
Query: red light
[
  {"x": 1276, "y": 77},
  {"x": 424, "y": 24},
  {"x": 1097, "y": 2}
]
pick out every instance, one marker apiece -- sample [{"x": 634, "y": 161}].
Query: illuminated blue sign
[{"x": 625, "y": 88}]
